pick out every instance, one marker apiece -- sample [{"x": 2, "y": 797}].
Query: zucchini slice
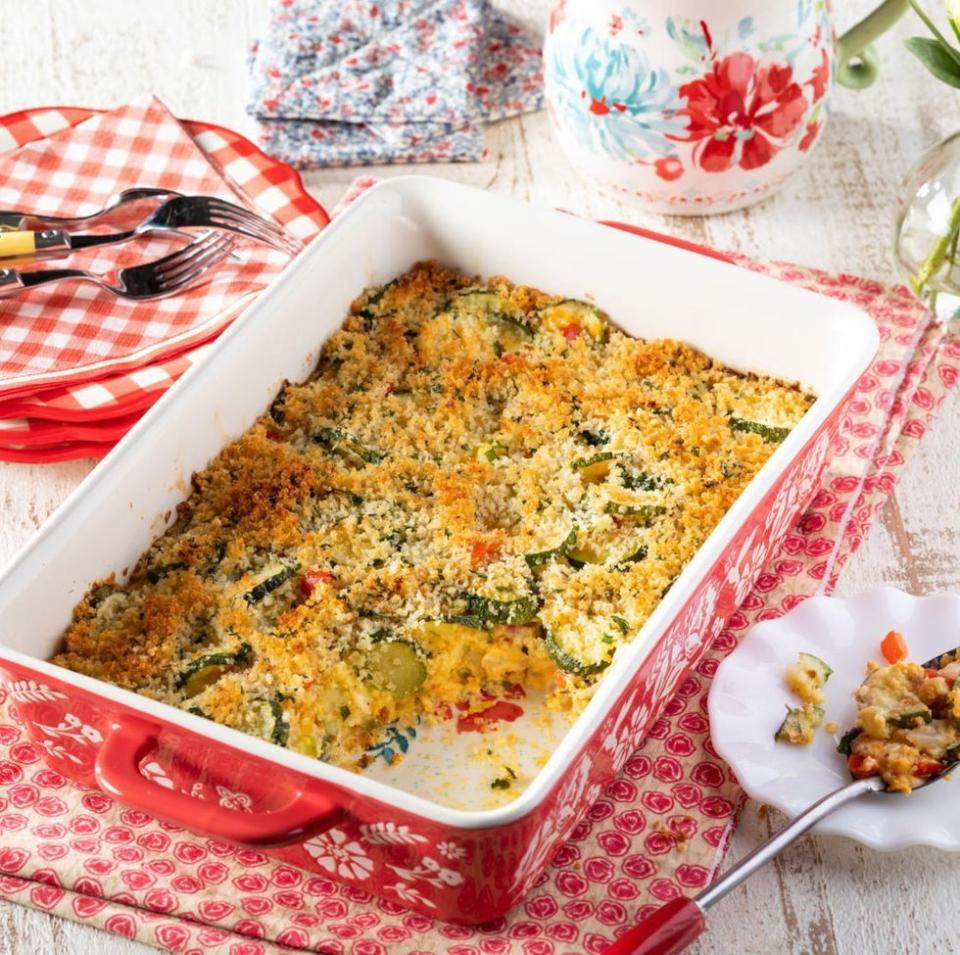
[
  {"x": 814, "y": 665},
  {"x": 476, "y": 300},
  {"x": 806, "y": 677},
  {"x": 432, "y": 633},
  {"x": 272, "y": 576},
  {"x": 621, "y": 624},
  {"x": 511, "y": 612},
  {"x": 845, "y": 743},
  {"x": 798, "y": 725},
  {"x": 156, "y": 573},
  {"x": 643, "y": 514},
  {"x": 770, "y": 434},
  {"x": 487, "y": 303},
  {"x": 590, "y": 554},
  {"x": 206, "y": 670},
  {"x": 395, "y": 666},
  {"x": 595, "y": 468},
  {"x": 586, "y": 554},
  {"x": 264, "y": 718},
  {"x": 641, "y": 480},
  {"x": 597, "y": 438},
  {"x": 912, "y": 717},
  {"x": 340, "y": 442},
  {"x": 100, "y": 593},
  {"x": 572, "y": 311},
  {"x": 372, "y": 299},
  {"x": 640, "y": 554},
  {"x": 542, "y": 557},
  {"x": 569, "y": 663}
]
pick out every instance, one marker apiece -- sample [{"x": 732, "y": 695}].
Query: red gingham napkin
[
  {"x": 73, "y": 331},
  {"x": 657, "y": 831},
  {"x": 104, "y": 398}
]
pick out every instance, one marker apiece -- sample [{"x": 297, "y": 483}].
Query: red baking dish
[{"x": 380, "y": 834}]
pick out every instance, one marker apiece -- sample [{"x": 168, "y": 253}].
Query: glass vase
[{"x": 928, "y": 228}]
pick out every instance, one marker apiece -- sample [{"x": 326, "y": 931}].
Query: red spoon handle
[{"x": 670, "y": 929}]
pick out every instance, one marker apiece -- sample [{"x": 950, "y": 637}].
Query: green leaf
[{"x": 937, "y": 58}]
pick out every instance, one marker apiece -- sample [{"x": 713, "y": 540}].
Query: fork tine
[
  {"x": 186, "y": 252},
  {"x": 189, "y": 278},
  {"x": 221, "y": 205},
  {"x": 189, "y": 275},
  {"x": 264, "y": 238},
  {"x": 254, "y": 230},
  {"x": 247, "y": 218},
  {"x": 228, "y": 210},
  {"x": 211, "y": 254}
]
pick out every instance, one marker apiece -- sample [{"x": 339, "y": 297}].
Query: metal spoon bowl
[
  {"x": 114, "y": 213},
  {"x": 675, "y": 925}
]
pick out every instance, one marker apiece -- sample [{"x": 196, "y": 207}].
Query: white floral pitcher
[{"x": 699, "y": 106}]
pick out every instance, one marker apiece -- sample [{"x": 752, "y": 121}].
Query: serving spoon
[
  {"x": 673, "y": 926},
  {"x": 117, "y": 206}
]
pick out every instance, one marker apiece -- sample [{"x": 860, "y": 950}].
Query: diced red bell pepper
[
  {"x": 571, "y": 332},
  {"x": 926, "y": 767},
  {"x": 312, "y": 578},
  {"x": 930, "y": 673},
  {"x": 484, "y": 550},
  {"x": 861, "y": 766},
  {"x": 894, "y": 647},
  {"x": 501, "y": 711}
]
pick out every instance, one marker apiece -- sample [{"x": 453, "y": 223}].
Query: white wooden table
[{"x": 826, "y": 895}]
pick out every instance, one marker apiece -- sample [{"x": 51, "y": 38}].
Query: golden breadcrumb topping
[{"x": 481, "y": 486}]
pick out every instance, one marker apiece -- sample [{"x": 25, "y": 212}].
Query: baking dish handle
[{"x": 118, "y": 774}]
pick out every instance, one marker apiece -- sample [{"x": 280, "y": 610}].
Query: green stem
[
  {"x": 932, "y": 27},
  {"x": 943, "y": 249}
]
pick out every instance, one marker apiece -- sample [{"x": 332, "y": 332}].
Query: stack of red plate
[{"x": 59, "y": 402}]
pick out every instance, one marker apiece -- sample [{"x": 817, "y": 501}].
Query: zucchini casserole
[{"x": 482, "y": 490}]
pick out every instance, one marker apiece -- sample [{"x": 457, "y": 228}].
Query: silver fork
[
  {"x": 181, "y": 212},
  {"x": 220, "y": 214},
  {"x": 158, "y": 279}
]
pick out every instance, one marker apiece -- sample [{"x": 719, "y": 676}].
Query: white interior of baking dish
[{"x": 650, "y": 289}]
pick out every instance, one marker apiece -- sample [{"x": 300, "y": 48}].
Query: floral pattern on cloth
[
  {"x": 389, "y": 81},
  {"x": 77, "y": 854}
]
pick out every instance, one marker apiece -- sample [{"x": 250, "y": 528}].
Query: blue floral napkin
[{"x": 380, "y": 81}]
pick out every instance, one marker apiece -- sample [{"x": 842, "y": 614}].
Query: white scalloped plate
[{"x": 747, "y": 700}]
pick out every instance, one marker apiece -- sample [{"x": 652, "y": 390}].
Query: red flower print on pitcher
[
  {"x": 742, "y": 112},
  {"x": 698, "y": 107}
]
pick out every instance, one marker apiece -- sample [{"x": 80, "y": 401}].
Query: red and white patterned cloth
[
  {"x": 75, "y": 355},
  {"x": 79, "y": 855},
  {"x": 73, "y": 331},
  {"x": 103, "y": 398}
]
